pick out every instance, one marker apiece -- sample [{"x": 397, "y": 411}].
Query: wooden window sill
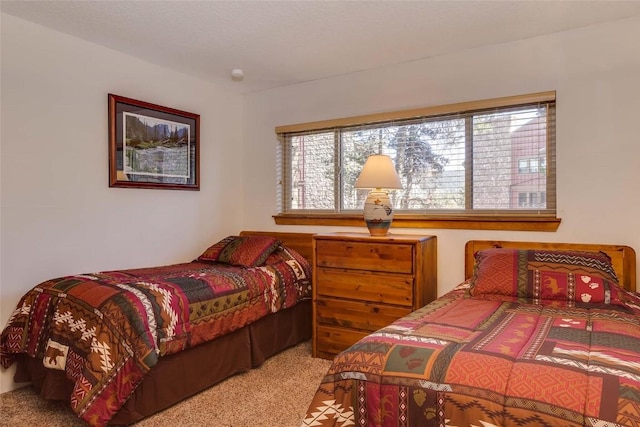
[{"x": 512, "y": 223}]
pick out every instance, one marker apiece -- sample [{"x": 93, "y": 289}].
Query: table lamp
[{"x": 379, "y": 174}]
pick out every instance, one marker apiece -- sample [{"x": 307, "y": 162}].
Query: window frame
[{"x": 515, "y": 220}]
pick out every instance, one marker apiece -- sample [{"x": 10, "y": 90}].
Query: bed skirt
[{"x": 184, "y": 374}]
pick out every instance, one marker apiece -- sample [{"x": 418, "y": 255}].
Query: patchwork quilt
[
  {"x": 106, "y": 330},
  {"x": 468, "y": 361}
]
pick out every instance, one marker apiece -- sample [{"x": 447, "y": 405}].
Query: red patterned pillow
[
  {"x": 247, "y": 251},
  {"x": 535, "y": 275}
]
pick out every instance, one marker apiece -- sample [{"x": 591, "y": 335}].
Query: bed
[
  {"x": 540, "y": 334},
  {"x": 122, "y": 345}
]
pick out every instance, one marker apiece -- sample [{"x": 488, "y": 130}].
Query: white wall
[
  {"x": 595, "y": 73},
  {"x": 58, "y": 215}
]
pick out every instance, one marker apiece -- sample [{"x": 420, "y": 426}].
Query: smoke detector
[{"x": 237, "y": 74}]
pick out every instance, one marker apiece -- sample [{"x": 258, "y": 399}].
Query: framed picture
[{"x": 151, "y": 146}]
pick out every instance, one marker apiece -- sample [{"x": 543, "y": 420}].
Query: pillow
[
  {"x": 534, "y": 275},
  {"x": 247, "y": 251},
  {"x": 281, "y": 254}
]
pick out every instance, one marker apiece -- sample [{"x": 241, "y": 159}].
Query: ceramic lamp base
[{"x": 378, "y": 212}]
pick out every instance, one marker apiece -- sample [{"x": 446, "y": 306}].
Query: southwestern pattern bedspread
[
  {"x": 469, "y": 359},
  {"x": 106, "y": 330}
]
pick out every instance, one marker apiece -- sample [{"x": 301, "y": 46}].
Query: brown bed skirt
[{"x": 184, "y": 374}]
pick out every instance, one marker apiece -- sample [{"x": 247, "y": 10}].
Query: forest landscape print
[
  {"x": 151, "y": 146},
  {"x": 156, "y": 147}
]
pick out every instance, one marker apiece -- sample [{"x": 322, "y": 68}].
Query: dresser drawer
[
  {"x": 366, "y": 286},
  {"x": 374, "y": 256},
  {"x": 357, "y": 315},
  {"x": 332, "y": 340}
]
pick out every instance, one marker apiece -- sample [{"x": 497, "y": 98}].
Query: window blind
[{"x": 493, "y": 157}]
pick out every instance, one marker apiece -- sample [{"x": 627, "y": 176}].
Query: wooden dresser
[{"x": 362, "y": 283}]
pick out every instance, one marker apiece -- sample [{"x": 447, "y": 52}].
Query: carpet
[{"x": 277, "y": 393}]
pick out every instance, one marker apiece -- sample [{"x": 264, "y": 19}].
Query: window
[
  {"x": 532, "y": 165},
  {"x": 528, "y": 165},
  {"x": 531, "y": 200},
  {"x": 477, "y": 160},
  {"x": 523, "y": 165}
]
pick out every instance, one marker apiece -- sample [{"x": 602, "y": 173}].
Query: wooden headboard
[
  {"x": 623, "y": 258},
  {"x": 301, "y": 242}
]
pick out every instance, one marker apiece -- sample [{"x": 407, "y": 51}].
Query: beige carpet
[{"x": 276, "y": 394}]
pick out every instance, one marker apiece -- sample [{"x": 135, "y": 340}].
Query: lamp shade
[{"x": 379, "y": 172}]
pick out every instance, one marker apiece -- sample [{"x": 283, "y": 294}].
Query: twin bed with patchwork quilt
[
  {"x": 94, "y": 339},
  {"x": 540, "y": 335}
]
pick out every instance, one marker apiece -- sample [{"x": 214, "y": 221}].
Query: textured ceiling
[{"x": 280, "y": 43}]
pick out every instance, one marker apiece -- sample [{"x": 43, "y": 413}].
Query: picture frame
[{"x": 151, "y": 146}]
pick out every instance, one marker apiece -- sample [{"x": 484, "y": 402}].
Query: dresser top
[{"x": 366, "y": 237}]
